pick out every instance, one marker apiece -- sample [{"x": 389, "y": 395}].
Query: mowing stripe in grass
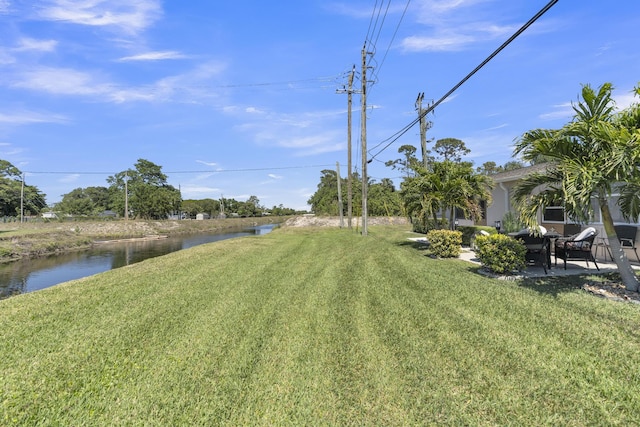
[{"x": 315, "y": 327}]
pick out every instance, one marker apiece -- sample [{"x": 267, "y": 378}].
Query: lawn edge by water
[{"x": 315, "y": 326}]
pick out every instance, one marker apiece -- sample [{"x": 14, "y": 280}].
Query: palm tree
[
  {"x": 446, "y": 187},
  {"x": 596, "y": 152},
  {"x": 421, "y": 198}
]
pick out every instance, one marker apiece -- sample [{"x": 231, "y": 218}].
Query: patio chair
[
  {"x": 537, "y": 249},
  {"x": 627, "y": 237},
  {"x": 571, "y": 229},
  {"x": 576, "y": 247}
]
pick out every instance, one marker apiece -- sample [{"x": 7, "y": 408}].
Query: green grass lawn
[{"x": 316, "y": 327}]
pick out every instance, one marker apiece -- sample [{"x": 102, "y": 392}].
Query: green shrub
[
  {"x": 444, "y": 243},
  {"x": 501, "y": 254},
  {"x": 424, "y": 226},
  {"x": 511, "y": 223},
  {"x": 469, "y": 232}
]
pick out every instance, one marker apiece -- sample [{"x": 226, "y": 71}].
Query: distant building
[
  {"x": 107, "y": 214},
  {"x": 202, "y": 216}
]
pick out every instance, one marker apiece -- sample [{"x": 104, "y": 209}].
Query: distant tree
[
  {"x": 280, "y": 210},
  {"x": 406, "y": 164},
  {"x": 325, "y": 200},
  {"x": 11, "y": 192},
  {"x": 150, "y": 197},
  {"x": 512, "y": 165},
  {"x": 384, "y": 200},
  {"x": 85, "y": 201},
  {"x": 451, "y": 149},
  {"x": 490, "y": 168}
]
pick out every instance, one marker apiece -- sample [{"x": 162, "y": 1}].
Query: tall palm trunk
[{"x": 628, "y": 276}]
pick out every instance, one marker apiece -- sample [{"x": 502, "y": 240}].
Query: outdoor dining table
[{"x": 548, "y": 237}]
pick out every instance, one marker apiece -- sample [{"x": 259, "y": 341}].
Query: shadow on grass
[
  {"x": 421, "y": 246},
  {"x": 553, "y": 285}
]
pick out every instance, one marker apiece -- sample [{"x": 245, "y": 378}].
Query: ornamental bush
[
  {"x": 469, "y": 232},
  {"x": 444, "y": 243},
  {"x": 501, "y": 254},
  {"x": 424, "y": 226}
]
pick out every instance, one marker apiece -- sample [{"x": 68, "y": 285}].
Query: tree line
[
  {"x": 142, "y": 192},
  {"x": 434, "y": 191}
]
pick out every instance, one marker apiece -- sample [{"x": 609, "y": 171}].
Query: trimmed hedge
[
  {"x": 430, "y": 224},
  {"x": 445, "y": 243},
  {"x": 501, "y": 254},
  {"x": 470, "y": 231}
]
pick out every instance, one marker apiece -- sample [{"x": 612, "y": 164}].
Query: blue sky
[{"x": 238, "y": 98}]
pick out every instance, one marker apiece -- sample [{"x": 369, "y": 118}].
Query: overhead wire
[
  {"x": 384, "y": 57},
  {"x": 183, "y": 172},
  {"x": 429, "y": 109}
]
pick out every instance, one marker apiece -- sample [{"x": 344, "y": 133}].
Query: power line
[
  {"x": 467, "y": 77},
  {"x": 185, "y": 172},
  {"x": 384, "y": 57}
]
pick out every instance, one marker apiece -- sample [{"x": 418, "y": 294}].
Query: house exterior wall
[{"x": 501, "y": 205}]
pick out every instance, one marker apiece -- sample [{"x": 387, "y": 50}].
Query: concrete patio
[{"x": 573, "y": 267}]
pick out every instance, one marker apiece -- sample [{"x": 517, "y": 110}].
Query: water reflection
[{"x": 39, "y": 273}]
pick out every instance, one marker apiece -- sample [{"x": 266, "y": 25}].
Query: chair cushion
[
  {"x": 576, "y": 246},
  {"x": 585, "y": 234}
]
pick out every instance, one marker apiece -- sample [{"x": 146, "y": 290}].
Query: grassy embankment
[
  {"x": 20, "y": 240},
  {"x": 309, "y": 326}
]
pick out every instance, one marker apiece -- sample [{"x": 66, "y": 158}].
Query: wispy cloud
[
  {"x": 69, "y": 178},
  {"x": 207, "y": 163},
  {"x": 128, "y": 16},
  {"x": 70, "y": 82},
  {"x": 453, "y": 25},
  {"x": 26, "y": 44},
  {"x": 60, "y": 81},
  {"x": 561, "y": 111},
  {"x": 154, "y": 56},
  {"x": 28, "y": 117}
]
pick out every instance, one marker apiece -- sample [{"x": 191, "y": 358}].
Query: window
[{"x": 553, "y": 214}]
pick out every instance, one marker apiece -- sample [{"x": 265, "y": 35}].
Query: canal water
[{"x": 38, "y": 273}]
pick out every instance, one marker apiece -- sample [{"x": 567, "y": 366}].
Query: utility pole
[
  {"x": 424, "y": 125},
  {"x": 349, "y": 93},
  {"x": 339, "y": 194},
  {"x": 363, "y": 124},
  {"x": 126, "y": 196},
  {"x": 22, "y": 200}
]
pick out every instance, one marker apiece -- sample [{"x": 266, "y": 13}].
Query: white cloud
[
  {"x": 154, "y": 56},
  {"x": 562, "y": 111},
  {"x": 128, "y": 16},
  {"x": 65, "y": 81},
  {"x": 27, "y": 117},
  {"x": 207, "y": 163},
  {"x": 453, "y": 25},
  {"x": 61, "y": 81},
  {"x": 26, "y": 43},
  {"x": 253, "y": 110},
  {"x": 442, "y": 42},
  {"x": 274, "y": 176},
  {"x": 69, "y": 178}
]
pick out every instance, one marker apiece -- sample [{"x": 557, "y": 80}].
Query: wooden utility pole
[
  {"x": 363, "y": 124},
  {"x": 22, "y": 200},
  {"x": 424, "y": 125},
  {"x": 349, "y": 91},
  {"x": 339, "y": 194},
  {"x": 126, "y": 196}
]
